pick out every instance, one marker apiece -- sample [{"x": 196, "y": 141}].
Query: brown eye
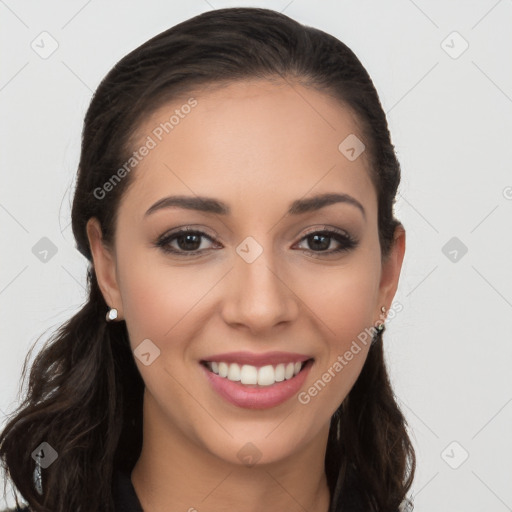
[
  {"x": 187, "y": 242},
  {"x": 320, "y": 241}
]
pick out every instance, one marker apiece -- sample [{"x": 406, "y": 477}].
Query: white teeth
[
  {"x": 279, "y": 373},
  {"x": 234, "y": 372},
  {"x": 288, "y": 373},
  {"x": 266, "y": 376},
  {"x": 248, "y": 374},
  {"x": 223, "y": 369}
]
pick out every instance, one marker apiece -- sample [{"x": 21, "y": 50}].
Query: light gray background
[{"x": 449, "y": 350}]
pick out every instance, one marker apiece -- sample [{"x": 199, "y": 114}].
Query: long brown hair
[{"x": 84, "y": 394}]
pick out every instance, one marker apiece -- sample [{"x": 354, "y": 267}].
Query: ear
[
  {"x": 104, "y": 266},
  {"x": 391, "y": 267}
]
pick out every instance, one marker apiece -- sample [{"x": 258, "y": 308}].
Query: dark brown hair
[{"x": 85, "y": 393}]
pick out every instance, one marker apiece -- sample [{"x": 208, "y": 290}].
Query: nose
[{"x": 259, "y": 294}]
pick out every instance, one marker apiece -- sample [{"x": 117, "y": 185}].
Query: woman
[{"x": 235, "y": 201}]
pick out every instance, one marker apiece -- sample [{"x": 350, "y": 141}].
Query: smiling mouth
[{"x": 250, "y": 375}]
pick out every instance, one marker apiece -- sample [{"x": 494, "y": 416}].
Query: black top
[{"x": 125, "y": 498}]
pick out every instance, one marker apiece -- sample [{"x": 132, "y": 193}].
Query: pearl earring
[
  {"x": 111, "y": 314},
  {"x": 380, "y": 327}
]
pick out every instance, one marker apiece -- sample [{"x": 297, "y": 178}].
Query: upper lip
[{"x": 254, "y": 359}]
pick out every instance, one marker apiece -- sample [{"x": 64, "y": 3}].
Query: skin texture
[{"x": 257, "y": 146}]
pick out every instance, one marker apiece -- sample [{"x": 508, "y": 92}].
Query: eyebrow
[{"x": 211, "y": 205}]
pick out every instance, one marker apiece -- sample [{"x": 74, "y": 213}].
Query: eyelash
[{"x": 347, "y": 242}]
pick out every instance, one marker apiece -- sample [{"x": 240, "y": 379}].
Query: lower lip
[{"x": 254, "y": 396}]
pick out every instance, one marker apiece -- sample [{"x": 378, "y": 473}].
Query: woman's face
[{"x": 252, "y": 277}]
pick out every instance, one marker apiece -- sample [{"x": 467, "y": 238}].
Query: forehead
[{"x": 252, "y": 140}]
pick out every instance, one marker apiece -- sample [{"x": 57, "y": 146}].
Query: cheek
[
  {"x": 342, "y": 300},
  {"x": 161, "y": 304},
  {"x": 147, "y": 293},
  {"x": 159, "y": 299},
  {"x": 345, "y": 311},
  {"x": 343, "y": 303}
]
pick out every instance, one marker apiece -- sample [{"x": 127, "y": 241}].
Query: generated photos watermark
[
  {"x": 151, "y": 142},
  {"x": 304, "y": 397}
]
